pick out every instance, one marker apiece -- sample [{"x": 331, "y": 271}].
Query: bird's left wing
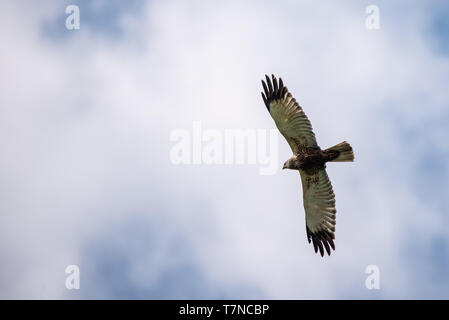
[
  {"x": 288, "y": 115},
  {"x": 319, "y": 204}
]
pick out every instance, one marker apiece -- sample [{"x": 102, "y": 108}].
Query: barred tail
[{"x": 344, "y": 151}]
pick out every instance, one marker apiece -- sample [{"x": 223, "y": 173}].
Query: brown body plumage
[{"x": 310, "y": 159}]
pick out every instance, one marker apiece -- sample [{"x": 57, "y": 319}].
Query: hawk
[{"x": 310, "y": 160}]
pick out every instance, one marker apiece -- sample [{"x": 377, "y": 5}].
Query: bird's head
[{"x": 292, "y": 163}]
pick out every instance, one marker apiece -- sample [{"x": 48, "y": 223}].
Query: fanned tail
[{"x": 343, "y": 150}]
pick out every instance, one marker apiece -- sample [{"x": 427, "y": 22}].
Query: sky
[{"x": 86, "y": 124}]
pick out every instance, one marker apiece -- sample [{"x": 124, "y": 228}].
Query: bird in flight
[{"x": 309, "y": 160}]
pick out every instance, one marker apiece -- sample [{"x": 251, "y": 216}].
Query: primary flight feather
[{"x": 309, "y": 160}]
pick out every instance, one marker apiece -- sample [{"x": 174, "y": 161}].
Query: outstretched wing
[
  {"x": 319, "y": 204},
  {"x": 288, "y": 115}
]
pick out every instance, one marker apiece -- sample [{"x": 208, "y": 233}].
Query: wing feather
[
  {"x": 319, "y": 205},
  {"x": 289, "y": 117}
]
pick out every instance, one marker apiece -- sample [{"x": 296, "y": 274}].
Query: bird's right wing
[
  {"x": 288, "y": 115},
  {"x": 319, "y": 204}
]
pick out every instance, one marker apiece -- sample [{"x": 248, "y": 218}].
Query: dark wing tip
[
  {"x": 322, "y": 240},
  {"x": 275, "y": 85},
  {"x": 273, "y": 89},
  {"x": 265, "y": 101}
]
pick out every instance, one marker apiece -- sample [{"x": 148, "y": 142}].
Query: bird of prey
[{"x": 310, "y": 160}]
